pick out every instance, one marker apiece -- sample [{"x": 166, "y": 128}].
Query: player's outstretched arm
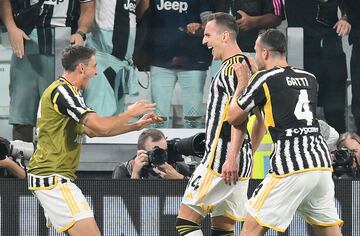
[{"x": 96, "y": 126}]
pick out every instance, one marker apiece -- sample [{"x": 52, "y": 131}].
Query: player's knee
[
  {"x": 221, "y": 232},
  {"x": 188, "y": 228}
]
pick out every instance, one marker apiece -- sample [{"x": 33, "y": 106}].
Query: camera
[
  {"x": 16, "y": 149},
  {"x": 343, "y": 163},
  {"x": 191, "y": 146}
]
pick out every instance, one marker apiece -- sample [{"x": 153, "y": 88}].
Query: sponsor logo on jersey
[
  {"x": 175, "y": 6},
  {"x": 301, "y": 131},
  {"x": 53, "y": 2},
  {"x": 130, "y": 6}
]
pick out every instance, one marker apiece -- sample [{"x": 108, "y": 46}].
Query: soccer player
[
  {"x": 219, "y": 184},
  {"x": 63, "y": 119},
  {"x": 300, "y": 177}
]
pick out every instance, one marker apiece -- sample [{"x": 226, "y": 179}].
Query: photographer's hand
[
  {"x": 138, "y": 163},
  {"x": 166, "y": 171}
]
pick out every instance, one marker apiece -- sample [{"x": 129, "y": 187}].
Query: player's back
[
  {"x": 287, "y": 97},
  {"x": 290, "y": 96}
]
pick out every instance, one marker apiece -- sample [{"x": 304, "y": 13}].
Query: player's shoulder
[
  {"x": 301, "y": 71},
  {"x": 228, "y": 63}
]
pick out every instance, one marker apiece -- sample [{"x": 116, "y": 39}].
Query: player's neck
[
  {"x": 281, "y": 62},
  {"x": 230, "y": 51},
  {"x": 72, "y": 78}
]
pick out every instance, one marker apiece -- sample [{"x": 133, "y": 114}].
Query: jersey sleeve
[
  {"x": 254, "y": 93},
  {"x": 69, "y": 102},
  {"x": 274, "y": 6}
]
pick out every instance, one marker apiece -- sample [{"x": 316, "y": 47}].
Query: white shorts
[
  {"x": 62, "y": 200},
  {"x": 310, "y": 194},
  {"x": 207, "y": 192}
]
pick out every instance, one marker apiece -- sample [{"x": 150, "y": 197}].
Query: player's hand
[
  {"x": 242, "y": 72},
  {"x": 166, "y": 171},
  {"x": 245, "y": 22},
  {"x": 254, "y": 66},
  {"x": 148, "y": 119},
  {"x": 138, "y": 163},
  {"x": 16, "y": 37},
  {"x": 230, "y": 171},
  {"x": 140, "y": 107},
  {"x": 342, "y": 27}
]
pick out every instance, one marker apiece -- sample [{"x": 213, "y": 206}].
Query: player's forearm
[
  {"x": 97, "y": 126},
  {"x": 237, "y": 139},
  {"x": 258, "y": 132},
  {"x": 87, "y": 16}
]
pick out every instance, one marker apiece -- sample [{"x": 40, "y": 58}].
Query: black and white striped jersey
[
  {"x": 59, "y": 13},
  {"x": 218, "y": 130},
  {"x": 67, "y": 100},
  {"x": 287, "y": 98}
]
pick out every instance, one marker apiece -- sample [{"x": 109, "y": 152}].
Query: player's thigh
[
  {"x": 267, "y": 204},
  {"x": 319, "y": 206},
  {"x": 206, "y": 190},
  {"x": 85, "y": 227}
]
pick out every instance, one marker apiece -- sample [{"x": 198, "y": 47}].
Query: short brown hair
[
  {"x": 274, "y": 40},
  {"x": 73, "y": 55},
  {"x": 225, "y": 20},
  {"x": 154, "y": 134}
]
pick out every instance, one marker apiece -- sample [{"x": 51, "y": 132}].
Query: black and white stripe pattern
[
  {"x": 218, "y": 131},
  {"x": 246, "y": 102},
  {"x": 299, "y": 153},
  {"x": 70, "y": 102}
]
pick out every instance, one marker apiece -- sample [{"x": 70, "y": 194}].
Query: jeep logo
[
  {"x": 176, "y": 6},
  {"x": 53, "y": 2},
  {"x": 130, "y": 5}
]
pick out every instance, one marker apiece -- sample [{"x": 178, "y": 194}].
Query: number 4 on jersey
[{"x": 302, "y": 109}]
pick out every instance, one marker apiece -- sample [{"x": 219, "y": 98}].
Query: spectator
[
  {"x": 251, "y": 17},
  {"x": 139, "y": 166},
  {"x": 178, "y": 57},
  {"x": 323, "y": 53},
  {"x": 353, "y": 16},
  {"x": 33, "y": 62},
  {"x": 113, "y": 36}
]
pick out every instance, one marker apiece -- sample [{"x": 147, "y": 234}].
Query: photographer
[
  {"x": 12, "y": 154},
  {"x": 347, "y": 156},
  {"x": 151, "y": 142}
]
